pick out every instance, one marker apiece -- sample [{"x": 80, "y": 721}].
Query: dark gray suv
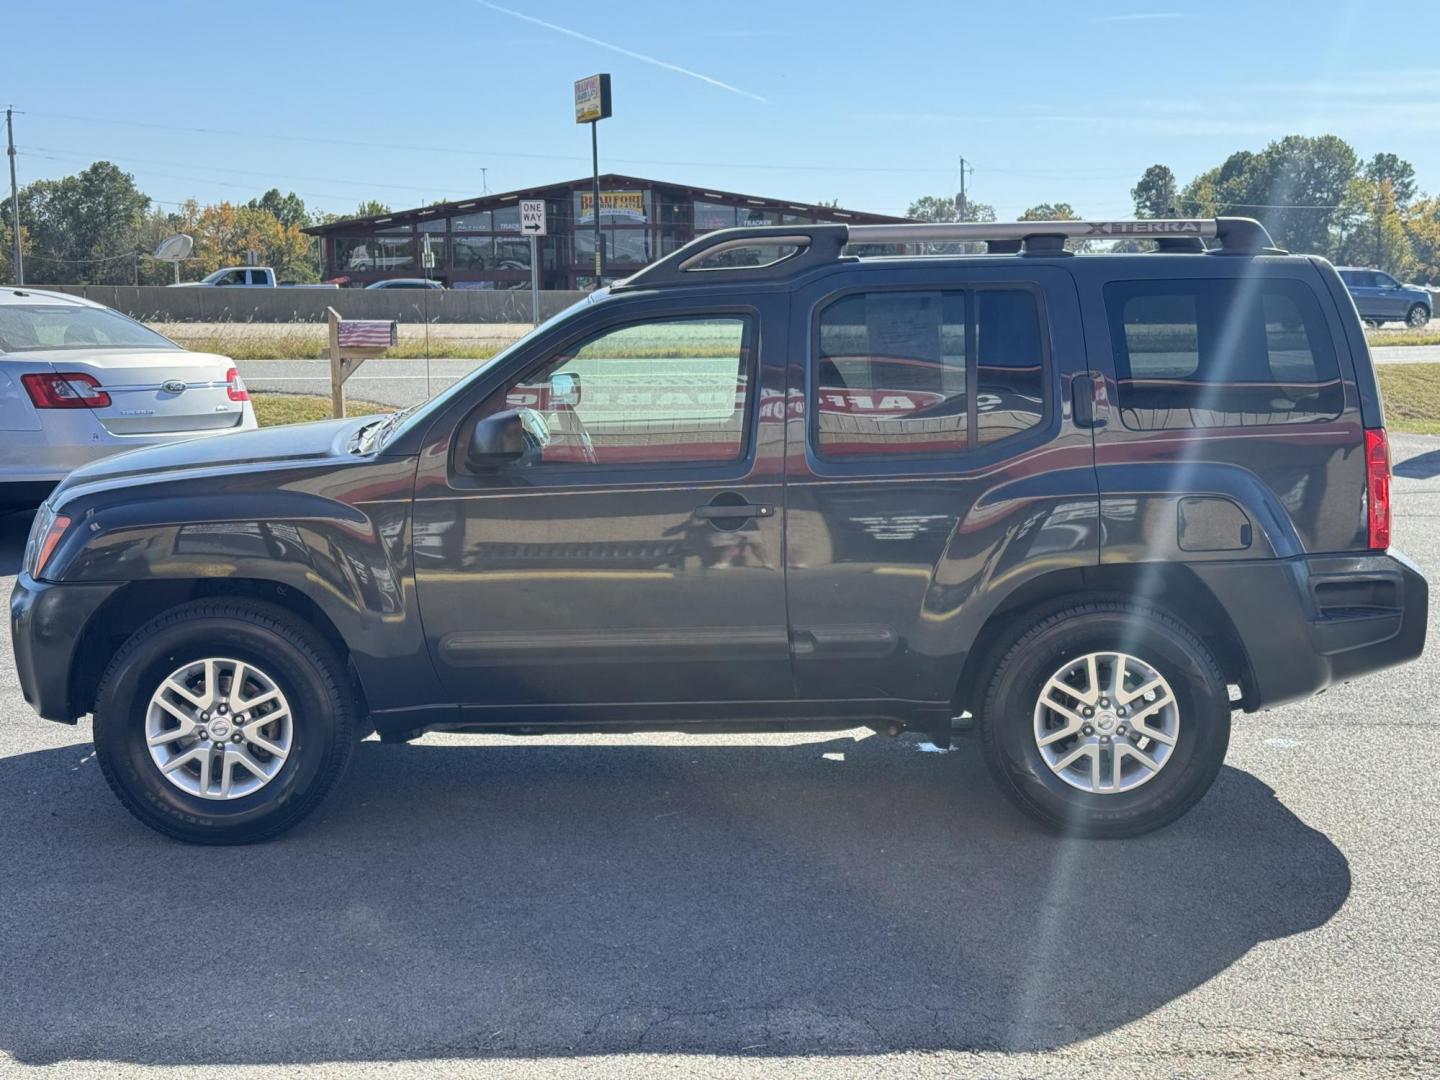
[{"x": 1086, "y": 507}]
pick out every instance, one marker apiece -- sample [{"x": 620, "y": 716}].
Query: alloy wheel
[
  {"x": 219, "y": 728},
  {"x": 1106, "y": 722}
]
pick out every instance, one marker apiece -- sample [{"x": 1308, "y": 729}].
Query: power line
[
  {"x": 412, "y": 148},
  {"x": 77, "y": 156}
]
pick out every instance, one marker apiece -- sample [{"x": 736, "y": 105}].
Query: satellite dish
[{"x": 174, "y": 248}]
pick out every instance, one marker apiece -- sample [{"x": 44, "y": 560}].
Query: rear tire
[
  {"x": 277, "y": 731},
  {"x": 1417, "y": 317},
  {"x": 1112, "y": 775}
]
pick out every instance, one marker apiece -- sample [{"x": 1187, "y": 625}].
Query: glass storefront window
[
  {"x": 672, "y": 209},
  {"x": 796, "y": 219},
  {"x": 438, "y": 249},
  {"x": 512, "y": 254},
  {"x": 395, "y": 230},
  {"x": 750, "y": 216},
  {"x": 478, "y": 221},
  {"x": 394, "y": 253},
  {"x": 507, "y": 219},
  {"x": 433, "y": 225},
  {"x": 710, "y": 216},
  {"x": 352, "y": 253},
  {"x": 376, "y": 253},
  {"x": 473, "y": 252},
  {"x": 623, "y": 247}
]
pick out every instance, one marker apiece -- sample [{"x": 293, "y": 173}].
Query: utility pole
[
  {"x": 17, "y": 260},
  {"x": 961, "y": 204}
]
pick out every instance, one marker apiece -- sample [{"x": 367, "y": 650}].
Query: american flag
[{"x": 366, "y": 333}]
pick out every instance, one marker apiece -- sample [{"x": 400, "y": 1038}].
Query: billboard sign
[{"x": 592, "y": 99}]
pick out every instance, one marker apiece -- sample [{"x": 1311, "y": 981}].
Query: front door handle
[{"x": 712, "y": 511}]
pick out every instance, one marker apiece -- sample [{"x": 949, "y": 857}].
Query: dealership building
[{"x": 477, "y": 243}]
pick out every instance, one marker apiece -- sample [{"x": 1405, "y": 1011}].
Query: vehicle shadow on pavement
[
  {"x": 831, "y": 897},
  {"x": 1420, "y": 466}
]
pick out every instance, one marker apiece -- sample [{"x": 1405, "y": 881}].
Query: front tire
[
  {"x": 1417, "y": 316},
  {"x": 223, "y": 722},
  {"x": 1107, "y": 719}
]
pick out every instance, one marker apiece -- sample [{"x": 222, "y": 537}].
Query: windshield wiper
[{"x": 372, "y": 436}]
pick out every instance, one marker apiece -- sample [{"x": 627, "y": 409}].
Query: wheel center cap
[
  {"x": 1105, "y": 721},
  {"x": 220, "y": 728}
]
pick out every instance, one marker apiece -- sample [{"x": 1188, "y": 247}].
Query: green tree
[
  {"x": 1296, "y": 187},
  {"x": 1198, "y": 198},
  {"x": 368, "y": 208},
  {"x": 1398, "y": 171},
  {"x": 946, "y": 208},
  {"x": 83, "y": 228},
  {"x": 943, "y": 208},
  {"x": 1059, "y": 211},
  {"x": 287, "y": 209},
  {"x": 1375, "y": 231},
  {"x": 1155, "y": 193},
  {"x": 1422, "y": 229}
]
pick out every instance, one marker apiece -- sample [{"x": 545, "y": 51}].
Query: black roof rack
[{"x": 799, "y": 248}]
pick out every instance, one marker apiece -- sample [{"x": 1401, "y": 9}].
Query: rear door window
[
  {"x": 1221, "y": 353},
  {"x": 902, "y": 373}
]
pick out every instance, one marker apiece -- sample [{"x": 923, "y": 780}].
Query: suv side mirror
[
  {"x": 497, "y": 440},
  {"x": 564, "y": 390}
]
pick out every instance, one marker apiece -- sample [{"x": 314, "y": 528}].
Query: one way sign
[{"x": 532, "y": 217}]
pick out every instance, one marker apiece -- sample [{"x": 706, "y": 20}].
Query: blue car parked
[{"x": 1382, "y": 299}]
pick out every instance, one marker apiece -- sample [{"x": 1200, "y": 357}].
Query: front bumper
[
  {"x": 47, "y": 622},
  {"x": 1310, "y": 622}
]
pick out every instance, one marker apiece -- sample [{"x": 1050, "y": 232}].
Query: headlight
[{"x": 45, "y": 534}]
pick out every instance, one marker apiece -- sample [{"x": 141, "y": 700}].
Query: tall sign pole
[
  {"x": 17, "y": 260},
  {"x": 592, "y": 104},
  {"x": 532, "y": 224}
]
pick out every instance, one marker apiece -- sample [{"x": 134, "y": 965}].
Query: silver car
[{"x": 79, "y": 381}]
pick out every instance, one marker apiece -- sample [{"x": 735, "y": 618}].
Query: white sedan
[{"x": 79, "y": 381}]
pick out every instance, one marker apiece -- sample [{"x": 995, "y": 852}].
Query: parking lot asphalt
[
  {"x": 830, "y": 905},
  {"x": 409, "y": 382}
]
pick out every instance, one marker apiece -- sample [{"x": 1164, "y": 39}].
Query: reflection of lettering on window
[{"x": 672, "y": 390}]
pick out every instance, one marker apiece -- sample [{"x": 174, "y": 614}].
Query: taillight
[
  {"x": 1377, "y": 486},
  {"x": 65, "y": 390},
  {"x": 52, "y": 536},
  {"x": 235, "y": 386}
]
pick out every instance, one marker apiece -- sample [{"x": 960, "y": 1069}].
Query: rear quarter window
[{"x": 1221, "y": 353}]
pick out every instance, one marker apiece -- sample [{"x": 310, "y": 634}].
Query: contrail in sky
[{"x": 622, "y": 51}]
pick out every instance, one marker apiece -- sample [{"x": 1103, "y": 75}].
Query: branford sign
[{"x": 592, "y": 98}]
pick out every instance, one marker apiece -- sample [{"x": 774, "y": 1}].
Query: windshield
[
  {"x": 26, "y": 327},
  {"x": 377, "y": 437}
]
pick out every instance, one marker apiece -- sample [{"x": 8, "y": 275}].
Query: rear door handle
[
  {"x": 711, "y": 511},
  {"x": 1086, "y": 411}
]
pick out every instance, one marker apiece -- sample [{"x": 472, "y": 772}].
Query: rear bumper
[
  {"x": 70, "y": 438},
  {"x": 1310, "y": 622},
  {"x": 46, "y": 624}
]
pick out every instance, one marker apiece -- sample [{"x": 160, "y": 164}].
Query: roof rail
[
  {"x": 799, "y": 248},
  {"x": 1244, "y": 236}
]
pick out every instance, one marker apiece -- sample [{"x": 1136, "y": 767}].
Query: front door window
[{"x": 669, "y": 391}]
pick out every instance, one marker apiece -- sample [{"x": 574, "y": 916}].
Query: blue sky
[{"x": 869, "y": 103}]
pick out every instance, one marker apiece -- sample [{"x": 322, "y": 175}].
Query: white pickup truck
[{"x": 247, "y": 277}]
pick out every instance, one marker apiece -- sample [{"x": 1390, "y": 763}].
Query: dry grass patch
[{"x": 272, "y": 410}]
